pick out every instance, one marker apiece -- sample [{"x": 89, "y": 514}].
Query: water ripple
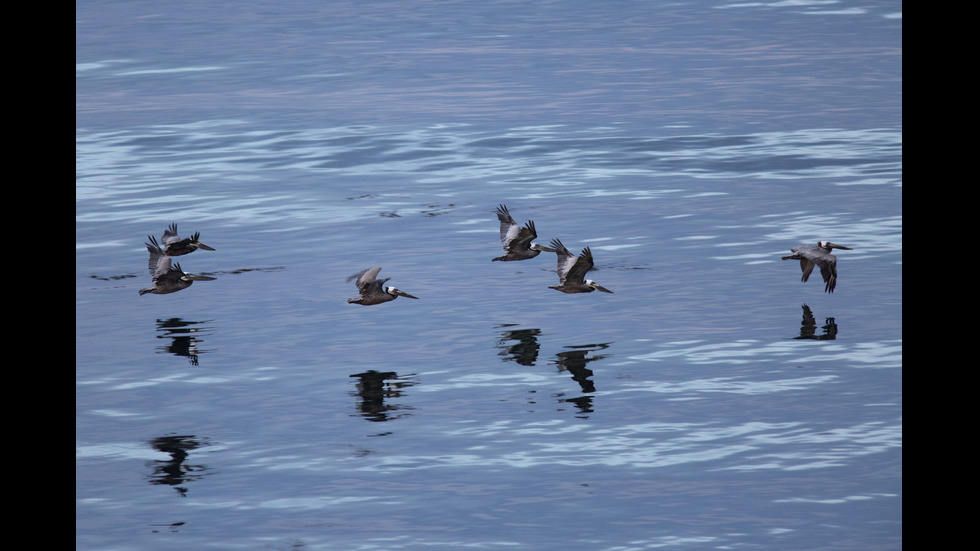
[
  {"x": 741, "y": 447},
  {"x": 164, "y": 166}
]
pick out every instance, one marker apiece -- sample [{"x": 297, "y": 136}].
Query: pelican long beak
[
  {"x": 401, "y": 293},
  {"x": 539, "y": 247},
  {"x": 200, "y": 245},
  {"x": 830, "y": 245},
  {"x": 196, "y": 277},
  {"x": 598, "y": 287}
]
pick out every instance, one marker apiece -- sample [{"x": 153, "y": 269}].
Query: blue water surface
[{"x": 714, "y": 401}]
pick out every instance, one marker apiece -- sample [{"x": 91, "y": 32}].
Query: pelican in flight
[
  {"x": 572, "y": 270},
  {"x": 819, "y": 255},
  {"x": 167, "y": 277},
  {"x": 517, "y": 240},
  {"x": 173, "y": 245},
  {"x": 371, "y": 289}
]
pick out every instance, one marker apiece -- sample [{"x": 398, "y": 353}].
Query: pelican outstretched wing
[
  {"x": 582, "y": 266},
  {"x": 509, "y": 229},
  {"x": 159, "y": 263},
  {"x": 570, "y": 267},
  {"x": 170, "y": 235},
  {"x": 368, "y": 279}
]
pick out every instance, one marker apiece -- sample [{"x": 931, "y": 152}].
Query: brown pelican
[
  {"x": 571, "y": 271},
  {"x": 517, "y": 240},
  {"x": 167, "y": 278},
  {"x": 371, "y": 290},
  {"x": 173, "y": 245},
  {"x": 819, "y": 254}
]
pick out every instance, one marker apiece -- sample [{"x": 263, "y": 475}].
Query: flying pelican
[
  {"x": 167, "y": 277},
  {"x": 173, "y": 245},
  {"x": 371, "y": 290},
  {"x": 517, "y": 240},
  {"x": 819, "y": 254},
  {"x": 571, "y": 271}
]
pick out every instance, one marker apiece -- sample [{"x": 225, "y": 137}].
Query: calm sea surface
[{"x": 714, "y": 401}]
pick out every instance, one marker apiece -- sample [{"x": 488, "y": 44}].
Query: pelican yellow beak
[
  {"x": 598, "y": 287},
  {"x": 196, "y": 277}
]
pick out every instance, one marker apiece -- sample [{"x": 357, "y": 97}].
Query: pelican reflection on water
[
  {"x": 572, "y": 270},
  {"x": 372, "y": 290},
  {"x": 167, "y": 276},
  {"x": 173, "y": 245},
  {"x": 818, "y": 255},
  {"x": 517, "y": 240}
]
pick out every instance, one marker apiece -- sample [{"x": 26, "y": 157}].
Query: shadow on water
[
  {"x": 173, "y": 526},
  {"x": 574, "y": 362},
  {"x": 184, "y": 337},
  {"x": 808, "y": 327},
  {"x": 175, "y": 471},
  {"x": 374, "y": 388},
  {"x": 525, "y": 351}
]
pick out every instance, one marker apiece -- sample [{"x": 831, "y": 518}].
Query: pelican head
[
  {"x": 541, "y": 248},
  {"x": 196, "y": 242},
  {"x": 828, "y": 246},
  {"x": 596, "y": 286},
  {"x": 398, "y": 292}
]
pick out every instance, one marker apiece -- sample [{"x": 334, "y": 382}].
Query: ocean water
[{"x": 714, "y": 401}]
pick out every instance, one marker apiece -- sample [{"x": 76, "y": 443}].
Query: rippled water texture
[{"x": 713, "y": 401}]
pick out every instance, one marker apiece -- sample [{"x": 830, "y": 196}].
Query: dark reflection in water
[
  {"x": 583, "y": 405},
  {"x": 113, "y": 277},
  {"x": 428, "y": 210},
  {"x": 525, "y": 352},
  {"x": 808, "y": 328},
  {"x": 183, "y": 337},
  {"x": 374, "y": 387},
  {"x": 175, "y": 471},
  {"x": 574, "y": 362},
  {"x": 172, "y": 527}
]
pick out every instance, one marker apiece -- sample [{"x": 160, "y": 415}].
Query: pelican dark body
[
  {"x": 517, "y": 240},
  {"x": 572, "y": 270},
  {"x": 167, "y": 277},
  {"x": 173, "y": 245},
  {"x": 818, "y": 255},
  {"x": 372, "y": 290}
]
